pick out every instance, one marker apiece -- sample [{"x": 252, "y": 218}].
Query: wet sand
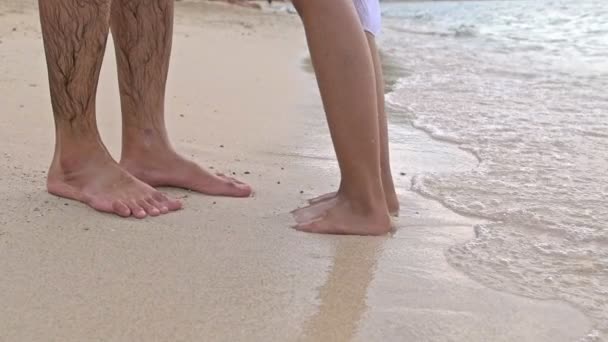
[{"x": 225, "y": 269}]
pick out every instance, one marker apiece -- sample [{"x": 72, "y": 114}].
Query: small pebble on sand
[
  {"x": 247, "y": 172},
  {"x": 403, "y": 173}
]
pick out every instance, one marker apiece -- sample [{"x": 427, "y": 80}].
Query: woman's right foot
[
  {"x": 317, "y": 208},
  {"x": 322, "y": 198},
  {"x": 344, "y": 217},
  {"x": 95, "y": 179},
  {"x": 321, "y": 202}
]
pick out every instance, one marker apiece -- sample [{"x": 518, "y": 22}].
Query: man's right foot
[{"x": 98, "y": 181}]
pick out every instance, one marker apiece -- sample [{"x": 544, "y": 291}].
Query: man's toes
[
  {"x": 230, "y": 179},
  {"x": 149, "y": 208},
  {"x": 243, "y": 190},
  {"x": 170, "y": 204},
  {"x": 137, "y": 211},
  {"x": 160, "y": 206},
  {"x": 238, "y": 181},
  {"x": 237, "y": 189},
  {"x": 121, "y": 209},
  {"x": 174, "y": 205}
]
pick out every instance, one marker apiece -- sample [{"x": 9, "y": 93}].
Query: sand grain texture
[{"x": 224, "y": 269}]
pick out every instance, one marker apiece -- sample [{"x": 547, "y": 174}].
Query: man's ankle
[
  {"x": 140, "y": 141},
  {"x": 71, "y": 156}
]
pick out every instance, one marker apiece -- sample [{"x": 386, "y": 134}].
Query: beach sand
[{"x": 232, "y": 269}]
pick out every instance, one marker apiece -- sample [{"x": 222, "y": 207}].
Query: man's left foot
[{"x": 172, "y": 170}]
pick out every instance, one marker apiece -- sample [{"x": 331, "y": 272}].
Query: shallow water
[{"x": 523, "y": 86}]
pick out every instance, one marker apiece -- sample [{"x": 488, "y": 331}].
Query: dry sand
[{"x": 224, "y": 269}]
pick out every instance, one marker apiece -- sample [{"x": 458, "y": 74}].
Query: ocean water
[{"x": 522, "y": 85}]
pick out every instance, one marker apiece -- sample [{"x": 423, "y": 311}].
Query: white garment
[{"x": 370, "y": 15}]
